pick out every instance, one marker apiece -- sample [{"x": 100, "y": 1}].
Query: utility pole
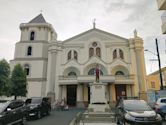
[{"x": 160, "y": 71}]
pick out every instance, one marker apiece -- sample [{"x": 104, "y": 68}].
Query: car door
[
  {"x": 19, "y": 110},
  {"x": 15, "y": 111},
  {"x": 9, "y": 114},
  {"x": 120, "y": 111},
  {"x": 44, "y": 106}
]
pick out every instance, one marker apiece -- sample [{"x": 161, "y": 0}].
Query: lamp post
[{"x": 159, "y": 63}]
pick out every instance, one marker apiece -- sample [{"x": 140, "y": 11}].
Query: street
[
  {"x": 60, "y": 118},
  {"x": 56, "y": 118}
]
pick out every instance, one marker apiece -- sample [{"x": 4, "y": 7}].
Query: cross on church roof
[{"x": 94, "y": 23}]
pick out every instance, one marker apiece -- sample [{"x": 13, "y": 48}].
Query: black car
[
  {"x": 38, "y": 107},
  {"x": 136, "y": 112},
  {"x": 12, "y": 112}
]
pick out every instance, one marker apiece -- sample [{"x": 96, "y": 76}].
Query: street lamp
[{"x": 159, "y": 63}]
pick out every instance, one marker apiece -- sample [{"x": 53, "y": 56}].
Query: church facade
[{"x": 65, "y": 69}]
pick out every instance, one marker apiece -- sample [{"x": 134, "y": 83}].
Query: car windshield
[
  {"x": 163, "y": 100},
  {"x": 33, "y": 101},
  {"x": 136, "y": 105},
  {"x": 36, "y": 100}
]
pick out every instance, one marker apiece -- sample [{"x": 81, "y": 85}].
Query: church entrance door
[
  {"x": 120, "y": 91},
  {"x": 71, "y": 95},
  {"x": 88, "y": 94}
]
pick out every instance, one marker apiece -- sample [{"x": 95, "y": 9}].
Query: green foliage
[
  {"x": 18, "y": 82},
  {"x": 4, "y": 77}
]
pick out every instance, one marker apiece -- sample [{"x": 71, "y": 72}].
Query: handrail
[
  {"x": 75, "y": 77},
  {"x": 79, "y": 117}
]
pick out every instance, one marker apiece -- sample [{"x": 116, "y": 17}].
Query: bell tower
[{"x": 32, "y": 53}]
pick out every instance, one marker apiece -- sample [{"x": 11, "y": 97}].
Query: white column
[
  {"x": 80, "y": 96},
  {"x": 64, "y": 92},
  {"x": 51, "y": 70},
  {"x": 134, "y": 68}
]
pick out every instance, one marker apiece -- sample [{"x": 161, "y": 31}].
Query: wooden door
[
  {"x": 120, "y": 91},
  {"x": 71, "y": 95}
]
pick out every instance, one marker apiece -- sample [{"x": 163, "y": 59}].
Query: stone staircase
[{"x": 103, "y": 117}]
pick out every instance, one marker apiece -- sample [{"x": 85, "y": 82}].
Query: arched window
[
  {"x": 94, "y": 50},
  {"x": 92, "y": 72},
  {"x": 32, "y": 35},
  {"x": 27, "y": 69},
  {"x": 119, "y": 73},
  {"x": 91, "y": 52},
  {"x": 29, "y": 51},
  {"x": 75, "y": 55},
  {"x": 98, "y": 52},
  {"x": 69, "y": 55},
  {"x": 72, "y": 74},
  {"x": 121, "y": 54},
  {"x": 114, "y": 54}
]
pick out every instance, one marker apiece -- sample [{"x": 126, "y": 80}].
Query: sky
[{"x": 71, "y": 17}]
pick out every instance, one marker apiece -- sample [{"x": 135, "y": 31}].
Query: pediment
[
  {"x": 118, "y": 62},
  {"x": 94, "y": 34}
]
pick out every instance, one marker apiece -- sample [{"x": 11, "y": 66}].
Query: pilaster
[
  {"x": 52, "y": 58},
  {"x": 140, "y": 61}
]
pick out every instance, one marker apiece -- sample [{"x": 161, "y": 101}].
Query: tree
[
  {"x": 4, "y": 77},
  {"x": 18, "y": 82}
]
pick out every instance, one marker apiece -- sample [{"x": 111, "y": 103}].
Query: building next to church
[
  {"x": 65, "y": 69},
  {"x": 153, "y": 80},
  {"x": 162, "y": 7}
]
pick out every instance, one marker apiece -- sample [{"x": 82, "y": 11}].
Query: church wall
[
  {"x": 113, "y": 93},
  {"x": 85, "y": 93},
  {"x": 36, "y": 67},
  {"x": 41, "y": 33},
  {"x": 34, "y": 89},
  {"x": 129, "y": 91},
  {"x": 39, "y": 50}
]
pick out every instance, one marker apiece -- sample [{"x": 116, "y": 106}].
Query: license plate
[{"x": 31, "y": 114}]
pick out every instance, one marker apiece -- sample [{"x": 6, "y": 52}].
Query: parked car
[
  {"x": 136, "y": 112},
  {"x": 160, "y": 107},
  {"x": 38, "y": 107},
  {"x": 12, "y": 112}
]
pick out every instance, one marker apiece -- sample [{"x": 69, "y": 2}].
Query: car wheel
[
  {"x": 23, "y": 120},
  {"x": 48, "y": 111},
  {"x": 38, "y": 114},
  {"x": 125, "y": 123},
  {"x": 119, "y": 121}
]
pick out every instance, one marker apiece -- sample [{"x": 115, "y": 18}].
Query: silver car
[
  {"x": 136, "y": 112},
  {"x": 160, "y": 107}
]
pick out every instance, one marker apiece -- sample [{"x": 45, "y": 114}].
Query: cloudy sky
[{"x": 71, "y": 17}]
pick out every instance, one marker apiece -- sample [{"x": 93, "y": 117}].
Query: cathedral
[{"x": 65, "y": 69}]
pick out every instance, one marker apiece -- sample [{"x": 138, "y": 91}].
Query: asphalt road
[{"x": 58, "y": 118}]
